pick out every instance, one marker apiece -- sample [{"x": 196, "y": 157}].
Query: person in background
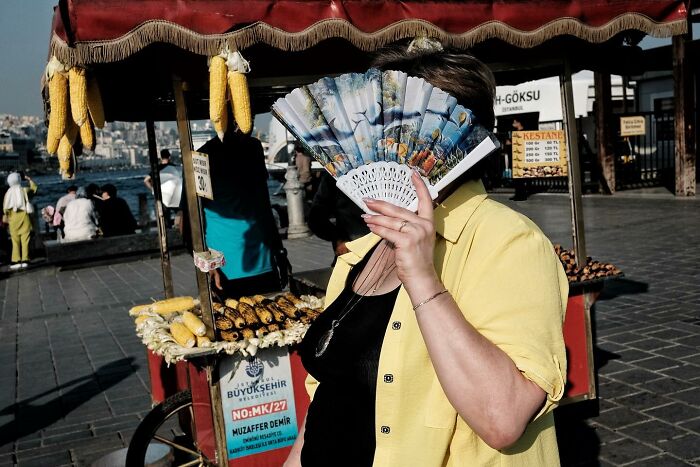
[
  {"x": 115, "y": 216},
  {"x": 303, "y": 163},
  {"x": 334, "y": 217},
  {"x": 60, "y": 209},
  {"x": 17, "y": 210},
  {"x": 239, "y": 221},
  {"x": 170, "y": 185},
  {"x": 80, "y": 218}
]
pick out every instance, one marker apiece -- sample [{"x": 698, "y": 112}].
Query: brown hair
[{"x": 457, "y": 73}]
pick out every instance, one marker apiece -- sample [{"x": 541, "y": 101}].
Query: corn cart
[{"x": 149, "y": 60}]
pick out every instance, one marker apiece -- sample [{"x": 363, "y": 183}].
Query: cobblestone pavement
[{"x": 75, "y": 382}]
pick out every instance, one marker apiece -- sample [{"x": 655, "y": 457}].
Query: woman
[
  {"x": 17, "y": 210},
  {"x": 79, "y": 218},
  {"x": 442, "y": 344}
]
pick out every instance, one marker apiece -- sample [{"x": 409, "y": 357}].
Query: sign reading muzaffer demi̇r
[
  {"x": 258, "y": 402},
  {"x": 539, "y": 154},
  {"x": 633, "y": 126},
  {"x": 202, "y": 175}
]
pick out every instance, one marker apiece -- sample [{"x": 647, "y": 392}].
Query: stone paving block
[
  {"x": 684, "y": 372},
  {"x": 676, "y": 351},
  {"x": 68, "y": 436},
  {"x": 643, "y": 400},
  {"x": 693, "y": 425},
  {"x": 656, "y": 363},
  {"x": 636, "y": 376},
  {"x": 666, "y": 385},
  {"x": 130, "y": 405},
  {"x": 663, "y": 460},
  {"x": 625, "y": 451},
  {"x": 686, "y": 447},
  {"x": 622, "y": 416},
  {"x": 40, "y": 458},
  {"x": 674, "y": 412},
  {"x": 653, "y": 432},
  {"x": 612, "y": 389}
]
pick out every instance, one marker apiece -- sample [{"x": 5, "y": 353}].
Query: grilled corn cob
[
  {"x": 247, "y": 300},
  {"x": 235, "y": 317},
  {"x": 218, "y": 112},
  {"x": 288, "y": 308},
  {"x": 273, "y": 327},
  {"x": 248, "y": 314},
  {"x": 222, "y": 323},
  {"x": 94, "y": 102},
  {"x": 193, "y": 323},
  {"x": 292, "y": 298},
  {"x": 247, "y": 333},
  {"x": 259, "y": 298},
  {"x": 231, "y": 336},
  {"x": 231, "y": 303},
  {"x": 276, "y": 312},
  {"x": 264, "y": 314},
  {"x": 218, "y": 307},
  {"x": 77, "y": 83},
  {"x": 182, "y": 335},
  {"x": 238, "y": 86}
]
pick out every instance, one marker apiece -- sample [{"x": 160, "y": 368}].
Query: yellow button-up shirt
[{"x": 504, "y": 275}]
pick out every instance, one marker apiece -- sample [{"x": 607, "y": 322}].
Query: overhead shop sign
[
  {"x": 633, "y": 126},
  {"x": 539, "y": 154}
]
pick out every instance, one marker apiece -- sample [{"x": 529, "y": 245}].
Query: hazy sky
[{"x": 24, "y": 41}]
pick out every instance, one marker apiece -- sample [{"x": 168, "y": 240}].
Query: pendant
[{"x": 325, "y": 340}]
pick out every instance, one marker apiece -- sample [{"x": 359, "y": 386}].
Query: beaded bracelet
[{"x": 429, "y": 299}]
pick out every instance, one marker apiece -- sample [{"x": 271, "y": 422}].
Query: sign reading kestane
[{"x": 539, "y": 153}]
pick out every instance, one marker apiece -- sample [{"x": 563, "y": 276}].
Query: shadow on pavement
[
  {"x": 30, "y": 418},
  {"x": 579, "y": 444},
  {"x": 617, "y": 287}
]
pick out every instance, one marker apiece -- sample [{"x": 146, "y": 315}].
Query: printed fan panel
[{"x": 356, "y": 120}]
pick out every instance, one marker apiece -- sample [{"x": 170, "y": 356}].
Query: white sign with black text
[{"x": 202, "y": 175}]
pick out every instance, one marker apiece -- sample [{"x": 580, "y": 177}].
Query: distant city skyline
[{"x": 24, "y": 34}]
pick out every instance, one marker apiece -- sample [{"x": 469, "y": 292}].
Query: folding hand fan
[{"x": 371, "y": 130}]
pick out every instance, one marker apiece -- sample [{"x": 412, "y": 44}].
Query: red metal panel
[
  {"x": 166, "y": 380},
  {"x": 201, "y": 405},
  {"x": 577, "y": 348},
  {"x": 97, "y": 20}
]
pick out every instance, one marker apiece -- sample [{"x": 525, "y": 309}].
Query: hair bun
[{"x": 423, "y": 44}]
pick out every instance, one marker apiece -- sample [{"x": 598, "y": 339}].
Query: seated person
[
  {"x": 115, "y": 216},
  {"x": 79, "y": 218}
]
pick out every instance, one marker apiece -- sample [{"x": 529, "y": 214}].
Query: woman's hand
[{"x": 413, "y": 237}]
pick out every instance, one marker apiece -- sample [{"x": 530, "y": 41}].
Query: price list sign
[
  {"x": 202, "y": 175},
  {"x": 539, "y": 154}
]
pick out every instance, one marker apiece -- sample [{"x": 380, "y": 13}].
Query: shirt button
[
  {"x": 385, "y": 430},
  {"x": 396, "y": 325},
  {"x": 388, "y": 378}
]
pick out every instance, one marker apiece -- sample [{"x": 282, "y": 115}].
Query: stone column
[{"x": 295, "y": 202}]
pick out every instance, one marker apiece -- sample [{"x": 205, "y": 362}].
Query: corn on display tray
[{"x": 240, "y": 327}]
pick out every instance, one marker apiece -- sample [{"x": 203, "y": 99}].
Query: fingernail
[
  {"x": 366, "y": 216},
  {"x": 368, "y": 200}
]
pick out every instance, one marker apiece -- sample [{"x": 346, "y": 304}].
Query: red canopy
[{"x": 100, "y": 31}]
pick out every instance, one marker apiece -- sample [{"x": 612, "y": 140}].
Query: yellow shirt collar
[{"x": 450, "y": 218}]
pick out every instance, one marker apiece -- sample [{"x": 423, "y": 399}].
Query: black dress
[{"x": 340, "y": 427}]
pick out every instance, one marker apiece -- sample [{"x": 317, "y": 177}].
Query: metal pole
[
  {"x": 295, "y": 199},
  {"x": 160, "y": 218},
  {"x": 195, "y": 214},
  {"x": 577, "y": 228}
]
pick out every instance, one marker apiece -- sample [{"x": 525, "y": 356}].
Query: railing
[{"x": 646, "y": 160}]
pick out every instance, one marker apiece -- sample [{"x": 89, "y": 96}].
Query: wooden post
[
  {"x": 684, "y": 123},
  {"x": 606, "y": 154},
  {"x": 160, "y": 218},
  {"x": 576, "y": 201},
  {"x": 195, "y": 214}
]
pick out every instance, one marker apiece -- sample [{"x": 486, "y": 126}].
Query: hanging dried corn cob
[
  {"x": 218, "y": 111},
  {"x": 66, "y": 158},
  {"x": 94, "y": 102},
  {"x": 87, "y": 135},
  {"x": 58, "y": 99},
  {"x": 238, "y": 86},
  {"x": 77, "y": 82}
]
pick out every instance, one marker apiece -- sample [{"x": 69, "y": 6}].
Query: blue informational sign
[{"x": 258, "y": 402}]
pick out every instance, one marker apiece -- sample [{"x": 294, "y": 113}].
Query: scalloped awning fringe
[{"x": 160, "y": 31}]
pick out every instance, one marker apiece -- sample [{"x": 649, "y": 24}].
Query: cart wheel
[{"x": 169, "y": 423}]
